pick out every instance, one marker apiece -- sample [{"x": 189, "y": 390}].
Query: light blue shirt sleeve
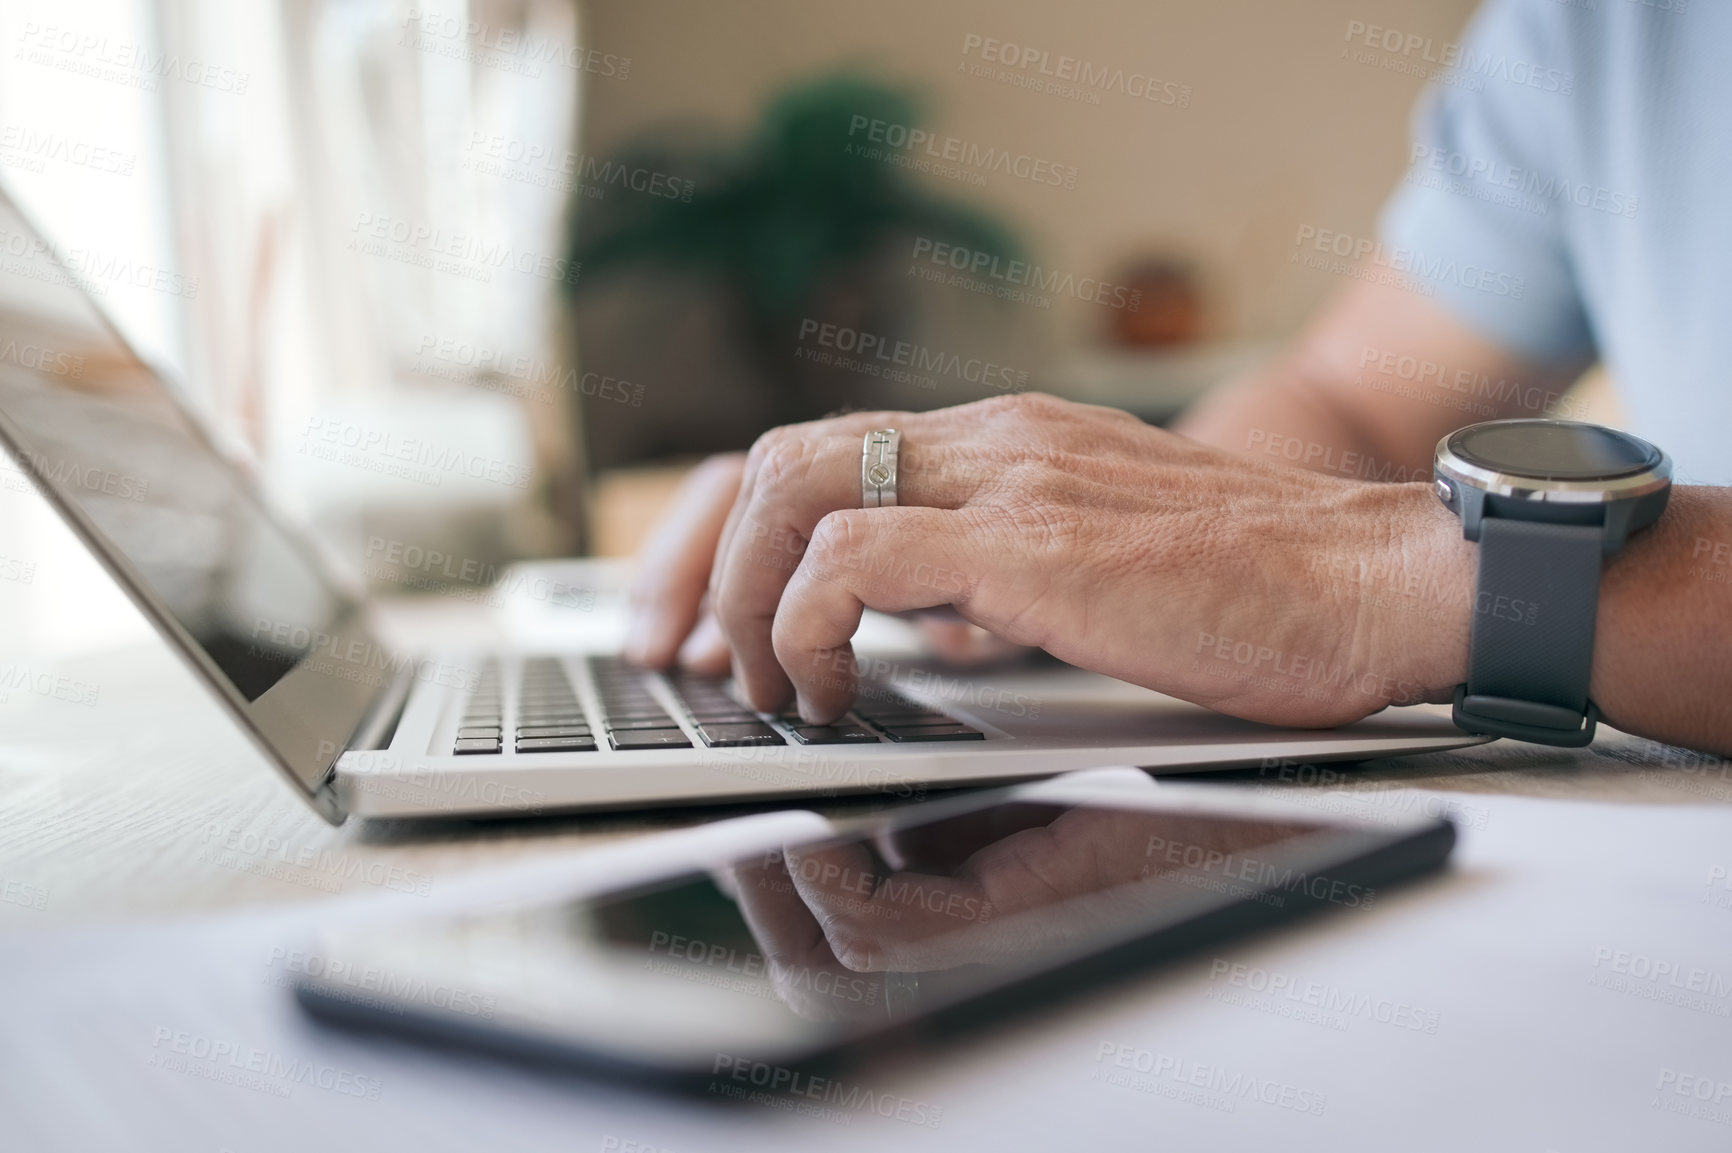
[{"x": 1498, "y": 122}]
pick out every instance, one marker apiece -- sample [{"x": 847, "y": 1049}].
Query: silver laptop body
[{"x": 358, "y": 726}]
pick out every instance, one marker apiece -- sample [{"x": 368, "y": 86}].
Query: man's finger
[
  {"x": 854, "y": 424},
  {"x": 891, "y": 559},
  {"x": 674, "y": 567},
  {"x": 799, "y": 481},
  {"x": 774, "y": 447},
  {"x": 706, "y": 650}
]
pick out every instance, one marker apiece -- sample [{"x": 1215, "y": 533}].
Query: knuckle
[
  {"x": 765, "y": 444},
  {"x": 783, "y": 461},
  {"x": 1027, "y": 406},
  {"x": 835, "y": 537}
]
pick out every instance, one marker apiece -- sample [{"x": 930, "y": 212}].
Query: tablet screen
[{"x": 797, "y": 948}]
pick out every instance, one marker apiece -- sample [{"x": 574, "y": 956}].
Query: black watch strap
[{"x": 1532, "y": 647}]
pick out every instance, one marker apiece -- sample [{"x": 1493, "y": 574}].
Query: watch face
[{"x": 1553, "y": 450}]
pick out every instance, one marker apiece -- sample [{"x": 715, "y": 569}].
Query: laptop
[{"x": 550, "y": 719}]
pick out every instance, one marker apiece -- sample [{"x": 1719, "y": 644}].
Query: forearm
[
  {"x": 1663, "y": 638},
  {"x": 1368, "y": 388},
  {"x": 1281, "y": 412}
]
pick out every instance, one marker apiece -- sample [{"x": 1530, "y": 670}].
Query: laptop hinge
[{"x": 379, "y": 723}]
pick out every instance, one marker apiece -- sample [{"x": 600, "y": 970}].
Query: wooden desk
[{"x": 150, "y": 802}]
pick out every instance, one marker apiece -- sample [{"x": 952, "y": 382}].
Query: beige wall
[{"x": 1280, "y": 130}]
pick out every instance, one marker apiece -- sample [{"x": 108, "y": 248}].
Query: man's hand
[
  {"x": 670, "y": 617},
  {"x": 1252, "y": 587}
]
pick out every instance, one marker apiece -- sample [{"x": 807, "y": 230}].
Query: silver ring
[{"x": 878, "y": 468}]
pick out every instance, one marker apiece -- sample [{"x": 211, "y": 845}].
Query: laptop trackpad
[{"x": 1072, "y": 706}]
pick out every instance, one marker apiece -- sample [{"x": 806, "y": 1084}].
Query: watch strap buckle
[{"x": 1524, "y": 720}]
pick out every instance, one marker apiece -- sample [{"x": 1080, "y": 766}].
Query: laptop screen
[{"x": 172, "y": 515}]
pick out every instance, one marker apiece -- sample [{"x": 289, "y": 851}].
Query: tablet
[{"x": 943, "y": 916}]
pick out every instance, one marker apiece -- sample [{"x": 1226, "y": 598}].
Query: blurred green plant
[{"x": 776, "y": 218}]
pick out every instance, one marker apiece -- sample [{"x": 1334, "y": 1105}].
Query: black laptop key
[
  {"x": 637, "y": 718},
  {"x": 632, "y": 707},
  {"x": 873, "y": 698},
  {"x": 476, "y": 745},
  {"x": 621, "y": 692},
  {"x": 733, "y": 736},
  {"x": 556, "y": 744},
  {"x": 542, "y": 714},
  {"x": 912, "y": 721},
  {"x": 708, "y": 694},
  {"x": 710, "y": 701},
  {"x": 634, "y": 712},
  {"x": 695, "y": 688},
  {"x": 478, "y": 732},
  {"x": 717, "y": 707},
  {"x": 894, "y": 710},
  {"x": 631, "y": 739},
  {"x": 543, "y": 720},
  {"x": 843, "y": 734},
  {"x": 552, "y": 731},
  {"x": 917, "y": 733},
  {"x": 919, "y": 722},
  {"x": 722, "y": 715},
  {"x": 874, "y": 711}
]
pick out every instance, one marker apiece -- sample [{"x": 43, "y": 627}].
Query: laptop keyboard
[
  {"x": 480, "y": 731},
  {"x": 551, "y": 719}
]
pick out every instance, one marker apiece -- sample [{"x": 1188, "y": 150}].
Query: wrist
[{"x": 1415, "y": 622}]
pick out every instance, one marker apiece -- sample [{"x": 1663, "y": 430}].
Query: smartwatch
[{"x": 1547, "y": 501}]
